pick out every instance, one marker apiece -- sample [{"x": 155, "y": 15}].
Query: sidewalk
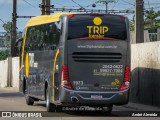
[
  {"x": 9, "y": 89},
  {"x": 141, "y": 107}
]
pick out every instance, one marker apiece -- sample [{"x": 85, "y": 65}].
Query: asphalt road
[{"x": 12, "y": 100}]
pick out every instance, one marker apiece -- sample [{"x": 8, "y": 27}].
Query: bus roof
[{"x": 38, "y": 20}]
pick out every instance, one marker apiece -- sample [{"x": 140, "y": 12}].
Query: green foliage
[
  {"x": 150, "y": 18},
  {"x": 151, "y": 14},
  {"x": 131, "y": 25},
  {"x": 7, "y": 26},
  {"x": 4, "y": 54}
]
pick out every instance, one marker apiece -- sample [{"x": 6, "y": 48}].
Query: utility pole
[
  {"x": 13, "y": 41},
  {"x": 43, "y": 7},
  {"x": 14, "y": 20},
  {"x": 105, "y": 2},
  {"x": 47, "y": 7},
  {"x": 139, "y": 21}
]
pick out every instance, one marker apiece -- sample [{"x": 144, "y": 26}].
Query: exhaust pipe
[{"x": 74, "y": 99}]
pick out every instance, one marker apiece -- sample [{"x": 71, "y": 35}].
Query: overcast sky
[{"x": 31, "y": 8}]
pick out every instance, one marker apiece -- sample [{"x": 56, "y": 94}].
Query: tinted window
[
  {"x": 103, "y": 26},
  {"x": 43, "y": 37}
]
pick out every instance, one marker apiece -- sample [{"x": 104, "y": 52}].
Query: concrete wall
[
  {"x": 145, "y": 86},
  {"x": 133, "y": 39},
  {"x": 4, "y": 71},
  {"x": 15, "y": 69}
]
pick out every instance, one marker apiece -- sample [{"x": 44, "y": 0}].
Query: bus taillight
[
  {"x": 125, "y": 84},
  {"x": 65, "y": 78},
  {"x": 127, "y": 73},
  {"x": 71, "y": 16},
  {"x": 122, "y": 17}
]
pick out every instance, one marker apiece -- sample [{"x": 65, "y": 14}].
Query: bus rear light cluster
[
  {"x": 126, "y": 83},
  {"x": 127, "y": 73},
  {"x": 65, "y": 78},
  {"x": 122, "y": 17},
  {"x": 71, "y": 16}
]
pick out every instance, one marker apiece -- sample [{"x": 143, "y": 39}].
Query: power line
[
  {"x": 115, "y": 4},
  {"x": 91, "y": 10},
  {"x": 2, "y": 20},
  {"x": 130, "y": 8},
  {"x": 78, "y": 4},
  {"x": 154, "y": 7},
  {"x": 71, "y": 6},
  {"x": 152, "y": 3},
  {"x": 127, "y": 2},
  {"x": 106, "y": 2},
  {"x": 29, "y": 3},
  {"x": 64, "y": 5}
]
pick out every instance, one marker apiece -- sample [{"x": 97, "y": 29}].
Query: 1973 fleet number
[{"x": 77, "y": 82}]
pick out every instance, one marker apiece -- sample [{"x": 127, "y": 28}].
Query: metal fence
[{"x": 153, "y": 36}]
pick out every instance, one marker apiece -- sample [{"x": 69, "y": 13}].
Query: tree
[
  {"x": 7, "y": 27},
  {"x": 131, "y": 25},
  {"x": 151, "y": 18}
]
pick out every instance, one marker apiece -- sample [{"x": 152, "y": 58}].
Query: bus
[{"x": 76, "y": 59}]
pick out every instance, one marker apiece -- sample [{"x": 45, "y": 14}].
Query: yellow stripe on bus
[
  {"x": 44, "y": 19},
  {"x": 27, "y": 65},
  {"x": 54, "y": 67},
  {"x": 23, "y": 46}
]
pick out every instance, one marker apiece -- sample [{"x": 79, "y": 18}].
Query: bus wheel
[
  {"x": 50, "y": 107},
  {"x": 108, "y": 109},
  {"x": 29, "y": 100}
]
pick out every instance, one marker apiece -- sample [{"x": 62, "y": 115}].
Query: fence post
[{"x": 146, "y": 36}]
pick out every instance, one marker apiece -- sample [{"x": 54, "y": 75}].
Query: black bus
[{"x": 75, "y": 59}]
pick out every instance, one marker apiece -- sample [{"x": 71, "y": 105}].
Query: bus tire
[
  {"x": 29, "y": 100},
  {"x": 108, "y": 109},
  {"x": 49, "y": 106}
]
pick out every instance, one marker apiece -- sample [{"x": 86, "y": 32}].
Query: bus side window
[
  {"x": 52, "y": 36},
  {"x": 39, "y": 38},
  {"x": 31, "y": 38},
  {"x": 28, "y": 39},
  {"x": 58, "y": 31}
]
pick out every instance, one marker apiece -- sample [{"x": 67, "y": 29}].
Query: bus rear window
[{"x": 97, "y": 27}]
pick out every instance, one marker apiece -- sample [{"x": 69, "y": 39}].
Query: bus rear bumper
[{"x": 75, "y": 98}]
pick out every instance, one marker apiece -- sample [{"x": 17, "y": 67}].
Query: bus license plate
[{"x": 96, "y": 96}]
